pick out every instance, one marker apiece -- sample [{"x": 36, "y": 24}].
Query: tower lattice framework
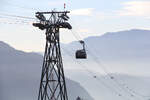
[{"x": 52, "y": 84}]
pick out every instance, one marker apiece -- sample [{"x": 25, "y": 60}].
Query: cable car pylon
[{"x": 52, "y": 84}]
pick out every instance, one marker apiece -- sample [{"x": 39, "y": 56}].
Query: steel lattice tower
[{"x": 52, "y": 85}]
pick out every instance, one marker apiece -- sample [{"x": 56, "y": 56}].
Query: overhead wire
[
  {"x": 16, "y": 23},
  {"x": 76, "y": 36},
  {"x": 105, "y": 70},
  {"x": 17, "y": 16},
  {"x": 25, "y": 19},
  {"x": 112, "y": 78},
  {"x": 14, "y": 18},
  {"x": 5, "y": 20},
  {"x": 98, "y": 79},
  {"x": 133, "y": 91},
  {"x": 127, "y": 89}
]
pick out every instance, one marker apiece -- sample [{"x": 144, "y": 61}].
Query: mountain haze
[
  {"x": 124, "y": 54},
  {"x": 133, "y": 43},
  {"x": 20, "y": 76}
]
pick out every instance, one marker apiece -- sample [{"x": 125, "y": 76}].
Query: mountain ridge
[
  {"x": 20, "y": 76},
  {"x": 134, "y": 44},
  {"x": 126, "y": 54}
]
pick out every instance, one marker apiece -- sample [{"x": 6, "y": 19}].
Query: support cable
[
  {"x": 106, "y": 71},
  {"x": 97, "y": 78},
  {"x": 17, "y": 16}
]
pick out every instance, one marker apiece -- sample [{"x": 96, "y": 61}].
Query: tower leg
[{"x": 52, "y": 85}]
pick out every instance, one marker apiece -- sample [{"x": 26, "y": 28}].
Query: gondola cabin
[{"x": 81, "y": 54}]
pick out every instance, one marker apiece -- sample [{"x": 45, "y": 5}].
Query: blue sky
[{"x": 88, "y": 18}]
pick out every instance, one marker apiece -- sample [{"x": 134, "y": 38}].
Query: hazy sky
[{"x": 88, "y": 18}]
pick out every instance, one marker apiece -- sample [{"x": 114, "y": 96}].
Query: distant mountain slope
[
  {"x": 104, "y": 88},
  {"x": 123, "y": 45},
  {"x": 20, "y": 76},
  {"x": 10, "y": 55},
  {"x": 124, "y": 52}
]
